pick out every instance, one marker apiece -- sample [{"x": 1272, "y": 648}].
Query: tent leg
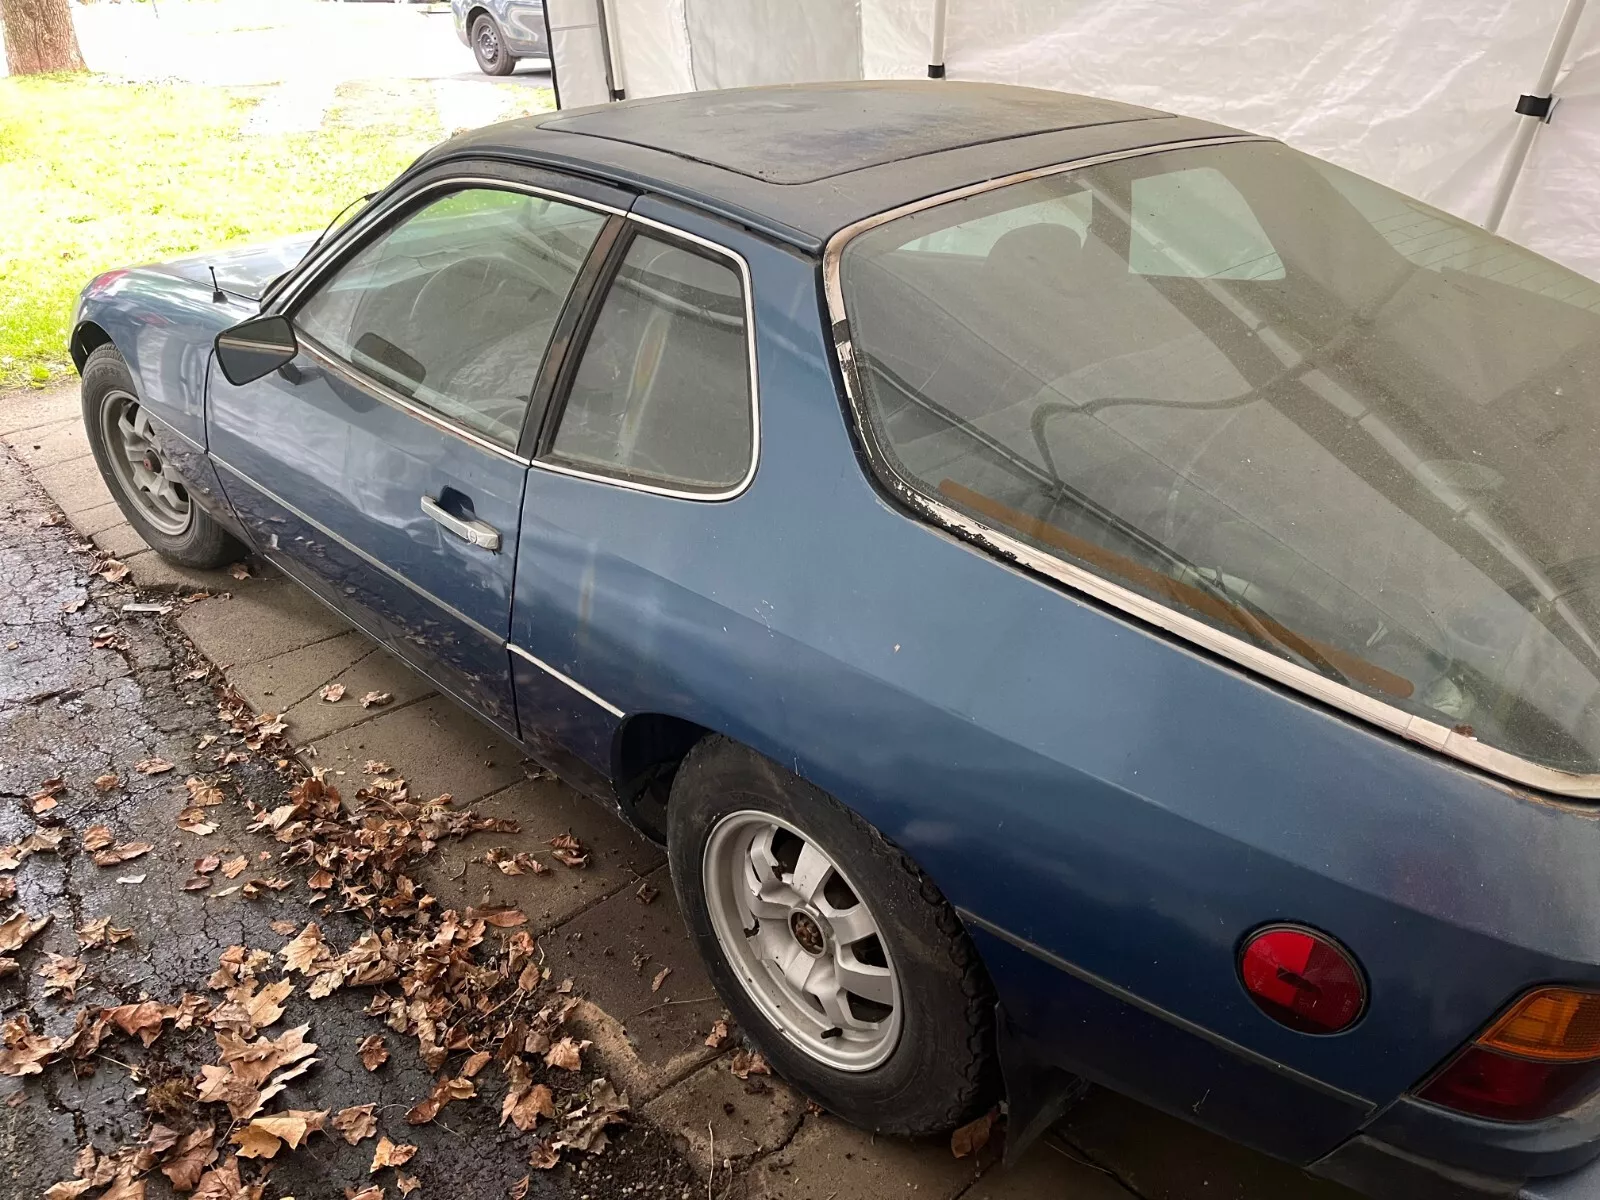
[
  {"x": 936, "y": 51},
  {"x": 1534, "y": 110},
  {"x": 610, "y": 48}
]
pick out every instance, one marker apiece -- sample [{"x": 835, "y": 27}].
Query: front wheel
[
  {"x": 837, "y": 956},
  {"x": 489, "y": 48},
  {"x": 148, "y": 489}
]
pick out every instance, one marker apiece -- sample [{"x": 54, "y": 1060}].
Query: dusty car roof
[{"x": 801, "y": 161}]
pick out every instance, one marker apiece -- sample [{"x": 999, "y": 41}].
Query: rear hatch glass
[{"x": 1300, "y": 409}]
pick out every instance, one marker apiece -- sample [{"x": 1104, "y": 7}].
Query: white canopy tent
[{"x": 1420, "y": 95}]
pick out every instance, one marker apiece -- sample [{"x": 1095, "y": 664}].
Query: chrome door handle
[{"x": 479, "y": 533}]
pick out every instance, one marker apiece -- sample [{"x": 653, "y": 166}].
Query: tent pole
[
  {"x": 936, "y": 52},
  {"x": 610, "y": 47},
  {"x": 1534, "y": 110}
]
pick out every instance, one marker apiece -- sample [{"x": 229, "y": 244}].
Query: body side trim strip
[
  {"x": 475, "y": 626},
  {"x": 1155, "y": 1010},
  {"x": 1460, "y": 746},
  {"x": 566, "y": 679}
]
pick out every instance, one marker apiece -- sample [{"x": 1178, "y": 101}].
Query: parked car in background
[
  {"x": 501, "y": 31},
  {"x": 1080, "y": 592}
]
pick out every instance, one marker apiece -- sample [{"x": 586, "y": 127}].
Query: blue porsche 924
[{"x": 1082, "y": 593}]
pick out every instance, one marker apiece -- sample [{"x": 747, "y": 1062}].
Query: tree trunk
[{"x": 40, "y": 37}]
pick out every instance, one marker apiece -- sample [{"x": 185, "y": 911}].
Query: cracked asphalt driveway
[{"x": 88, "y": 692}]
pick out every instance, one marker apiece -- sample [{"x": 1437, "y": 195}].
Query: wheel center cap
[
  {"x": 807, "y": 932},
  {"x": 151, "y": 462}
]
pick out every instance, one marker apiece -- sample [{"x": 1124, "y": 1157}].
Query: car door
[
  {"x": 525, "y": 27},
  {"x": 653, "y": 427},
  {"x": 382, "y": 466}
]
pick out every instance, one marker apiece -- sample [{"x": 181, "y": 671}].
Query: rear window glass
[{"x": 1318, "y": 416}]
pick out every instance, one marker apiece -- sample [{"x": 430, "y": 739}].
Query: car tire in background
[
  {"x": 489, "y": 47},
  {"x": 840, "y": 909},
  {"x": 129, "y": 458}
]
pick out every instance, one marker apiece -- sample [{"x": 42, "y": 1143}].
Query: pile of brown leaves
[{"x": 465, "y": 985}]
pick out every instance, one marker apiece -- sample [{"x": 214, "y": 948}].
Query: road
[{"x": 308, "y": 42}]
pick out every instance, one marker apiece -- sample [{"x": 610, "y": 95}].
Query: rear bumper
[{"x": 1384, "y": 1172}]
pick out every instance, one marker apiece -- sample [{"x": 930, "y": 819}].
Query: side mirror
[{"x": 255, "y": 348}]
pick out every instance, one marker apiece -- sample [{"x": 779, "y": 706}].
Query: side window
[
  {"x": 1193, "y": 223},
  {"x": 454, "y": 307},
  {"x": 662, "y": 392}
]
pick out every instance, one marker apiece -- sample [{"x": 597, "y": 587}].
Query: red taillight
[
  {"x": 1538, "y": 1059},
  {"x": 1302, "y": 979}
]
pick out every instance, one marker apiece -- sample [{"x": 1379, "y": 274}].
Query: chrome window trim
[
  {"x": 657, "y": 489},
  {"x": 1358, "y": 704},
  {"x": 363, "y": 222},
  {"x": 566, "y": 679},
  {"x": 475, "y": 626}
]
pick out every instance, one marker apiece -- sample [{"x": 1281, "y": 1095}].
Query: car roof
[{"x": 801, "y": 161}]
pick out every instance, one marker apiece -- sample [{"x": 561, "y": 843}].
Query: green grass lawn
[{"x": 97, "y": 174}]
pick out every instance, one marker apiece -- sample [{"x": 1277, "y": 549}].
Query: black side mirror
[{"x": 255, "y": 347}]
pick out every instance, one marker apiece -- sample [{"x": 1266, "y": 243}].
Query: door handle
[{"x": 479, "y": 533}]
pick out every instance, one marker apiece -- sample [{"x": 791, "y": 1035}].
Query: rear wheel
[
  {"x": 837, "y": 956},
  {"x": 148, "y": 489},
  {"x": 489, "y": 48}
]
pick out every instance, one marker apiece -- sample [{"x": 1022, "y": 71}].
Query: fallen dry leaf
[
  {"x": 374, "y": 1052},
  {"x": 356, "y": 1123},
  {"x": 239, "y": 571},
  {"x": 442, "y": 1094},
  {"x": 332, "y": 693},
  {"x": 120, "y": 854},
  {"x": 745, "y": 1063},
  {"x": 406, "y": 1184},
  {"x": 661, "y": 977},
  {"x": 376, "y": 699},
  {"x": 235, "y": 866},
  {"x": 189, "y": 1158},
  {"x": 101, "y": 934},
  {"x": 152, "y": 766},
  {"x": 565, "y": 848},
  {"x": 526, "y": 1101},
  {"x": 104, "y": 783},
  {"x": 391, "y": 1154},
  {"x": 97, "y": 837},
  {"x": 646, "y": 891},
  {"x": 61, "y": 975},
  {"x": 112, "y": 570},
  {"x": 504, "y": 916},
  {"x": 142, "y": 1020},
  {"x": 974, "y": 1135},
  {"x": 19, "y": 929},
  {"x": 566, "y": 1055},
  {"x": 718, "y": 1037},
  {"x": 519, "y": 1189}
]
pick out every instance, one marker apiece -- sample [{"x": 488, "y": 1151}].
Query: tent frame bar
[
  {"x": 1533, "y": 110},
  {"x": 936, "y": 49}
]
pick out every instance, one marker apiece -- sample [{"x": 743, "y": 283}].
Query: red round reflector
[{"x": 1302, "y": 979}]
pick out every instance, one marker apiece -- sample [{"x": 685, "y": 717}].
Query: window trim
[
  {"x": 1412, "y": 728},
  {"x": 572, "y": 359},
  {"x": 368, "y": 226}
]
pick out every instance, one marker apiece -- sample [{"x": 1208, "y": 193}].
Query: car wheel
[
  {"x": 147, "y": 489},
  {"x": 489, "y": 48},
  {"x": 834, "y": 952}
]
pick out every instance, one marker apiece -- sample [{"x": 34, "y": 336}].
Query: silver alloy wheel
[
  {"x": 141, "y": 471},
  {"x": 802, "y": 941}
]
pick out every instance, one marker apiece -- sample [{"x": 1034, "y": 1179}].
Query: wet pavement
[{"x": 76, "y": 713}]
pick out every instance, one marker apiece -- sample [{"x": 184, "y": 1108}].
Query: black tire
[
  {"x": 489, "y": 47},
  {"x": 942, "y": 1071},
  {"x": 202, "y": 543}
]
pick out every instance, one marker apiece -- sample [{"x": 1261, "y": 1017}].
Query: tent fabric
[{"x": 1412, "y": 93}]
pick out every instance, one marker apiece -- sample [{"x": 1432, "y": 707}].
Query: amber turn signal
[{"x": 1553, "y": 1023}]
